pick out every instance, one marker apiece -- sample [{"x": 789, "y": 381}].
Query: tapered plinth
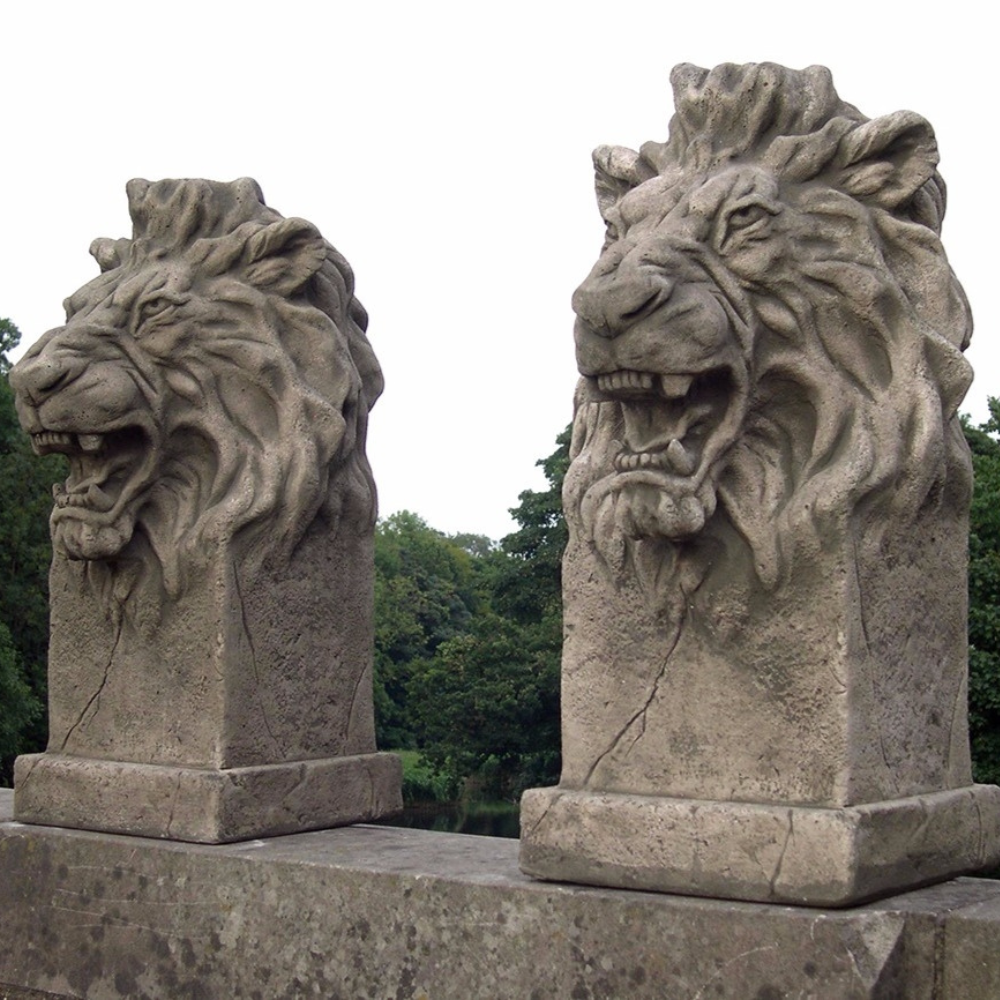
[{"x": 244, "y": 711}]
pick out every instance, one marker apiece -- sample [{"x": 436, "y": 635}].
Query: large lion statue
[
  {"x": 771, "y": 339},
  {"x": 210, "y": 387},
  {"x": 764, "y": 667}
]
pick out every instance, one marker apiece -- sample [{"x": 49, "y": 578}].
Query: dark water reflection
[{"x": 485, "y": 819}]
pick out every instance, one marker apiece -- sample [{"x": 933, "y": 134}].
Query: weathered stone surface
[
  {"x": 769, "y": 853},
  {"x": 212, "y": 580},
  {"x": 16, "y": 993},
  {"x": 207, "y": 805},
  {"x": 971, "y": 950},
  {"x": 765, "y": 582},
  {"x": 360, "y": 913}
]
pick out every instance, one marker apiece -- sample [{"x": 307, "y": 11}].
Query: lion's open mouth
[
  {"x": 675, "y": 423},
  {"x": 106, "y": 470}
]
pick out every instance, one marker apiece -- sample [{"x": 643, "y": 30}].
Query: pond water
[{"x": 485, "y": 819}]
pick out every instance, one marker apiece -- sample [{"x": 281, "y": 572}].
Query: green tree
[
  {"x": 428, "y": 588},
  {"x": 984, "y": 598},
  {"x": 20, "y": 707},
  {"x": 488, "y": 701},
  {"x": 489, "y": 704},
  {"x": 527, "y": 584},
  {"x": 25, "y": 553}
]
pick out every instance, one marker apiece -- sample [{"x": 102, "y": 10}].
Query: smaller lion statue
[{"x": 210, "y": 387}]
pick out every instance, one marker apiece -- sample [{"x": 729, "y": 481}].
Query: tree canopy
[
  {"x": 25, "y": 500},
  {"x": 984, "y": 598},
  {"x": 467, "y": 644}
]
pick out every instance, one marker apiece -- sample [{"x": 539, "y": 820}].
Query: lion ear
[
  {"x": 618, "y": 170},
  {"x": 889, "y": 159},
  {"x": 283, "y": 256},
  {"x": 109, "y": 253}
]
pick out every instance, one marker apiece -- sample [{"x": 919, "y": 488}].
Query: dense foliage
[
  {"x": 984, "y": 598},
  {"x": 467, "y": 644},
  {"x": 25, "y": 499},
  {"x": 428, "y": 588}
]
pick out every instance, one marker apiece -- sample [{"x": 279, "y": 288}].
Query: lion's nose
[
  {"x": 40, "y": 375},
  {"x": 612, "y": 304}
]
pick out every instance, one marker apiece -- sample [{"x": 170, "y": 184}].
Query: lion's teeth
[
  {"x": 90, "y": 442},
  {"x": 42, "y": 442},
  {"x": 675, "y": 386},
  {"x": 681, "y": 459},
  {"x": 625, "y": 379}
]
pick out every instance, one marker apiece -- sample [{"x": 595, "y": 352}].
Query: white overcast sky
[{"x": 444, "y": 148}]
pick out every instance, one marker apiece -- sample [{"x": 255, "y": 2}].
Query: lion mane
[
  {"x": 771, "y": 340},
  {"x": 210, "y": 387}
]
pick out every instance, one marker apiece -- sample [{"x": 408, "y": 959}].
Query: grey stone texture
[
  {"x": 207, "y": 805},
  {"x": 765, "y": 582},
  {"x": 212, "y": 579},
  {"x": 768, "y": 853},
  {"x": 372, "y": 913}
]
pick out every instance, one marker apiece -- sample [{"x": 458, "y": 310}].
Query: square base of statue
[
  {"x": 760, "y": 853},
  {"x": 206, "y": 806}
]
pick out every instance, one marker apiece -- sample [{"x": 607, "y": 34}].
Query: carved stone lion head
[
  {"x": 772, "y": 335},
  {"x": 212, "y": 385}
]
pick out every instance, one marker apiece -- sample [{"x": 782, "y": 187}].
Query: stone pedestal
[
  {"x": 760, "y": 853},
  {"x": 245, "y": 712},
  {"x": 206, "y": 805},
  {"x": 816, "y": 753},
  {"x": 764, "y": 669}
]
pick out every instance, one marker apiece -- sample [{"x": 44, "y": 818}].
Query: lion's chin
[
  {"x": 625, "y": 508},
  {"x": 82, "y": 539}
]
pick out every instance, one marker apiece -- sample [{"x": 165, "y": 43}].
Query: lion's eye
[
  {"x": 746, "y": 222},
  {"x": 746, "y": 216},
  {"x": 153, "y": 308},
  {"x": 743, "y": 218}
]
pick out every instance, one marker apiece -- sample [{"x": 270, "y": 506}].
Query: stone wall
[{"x": 373, "y": 913}]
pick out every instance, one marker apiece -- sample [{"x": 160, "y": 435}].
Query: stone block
[
  {"x": 971, "y": 956},
  {"x": 737, "y": 850},
  {"x": 206, "y": 805},
  {"x": 369, "y": 913}
]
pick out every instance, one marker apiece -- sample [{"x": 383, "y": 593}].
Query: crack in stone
[
  {"x": 538, "y": 822},
  {"x": 95, "y": 697},
  {"x": 253, "y": 659},
  {"x": 981, "y": 851},
  {"x": 918, "y": 835},
  {"x": 354, "y": 698},
  {"x": 173, "y": 804},
  {"x": 854, "y": 964},
  {"x": 26, "y": 777},
  {"x": 725, "y": 965},
  {"x": 286, "y": 801},
  {"x": 784, "y": 850},
  {"x": 877, "y": 722},
  {"x": 643, "y": 710}
]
